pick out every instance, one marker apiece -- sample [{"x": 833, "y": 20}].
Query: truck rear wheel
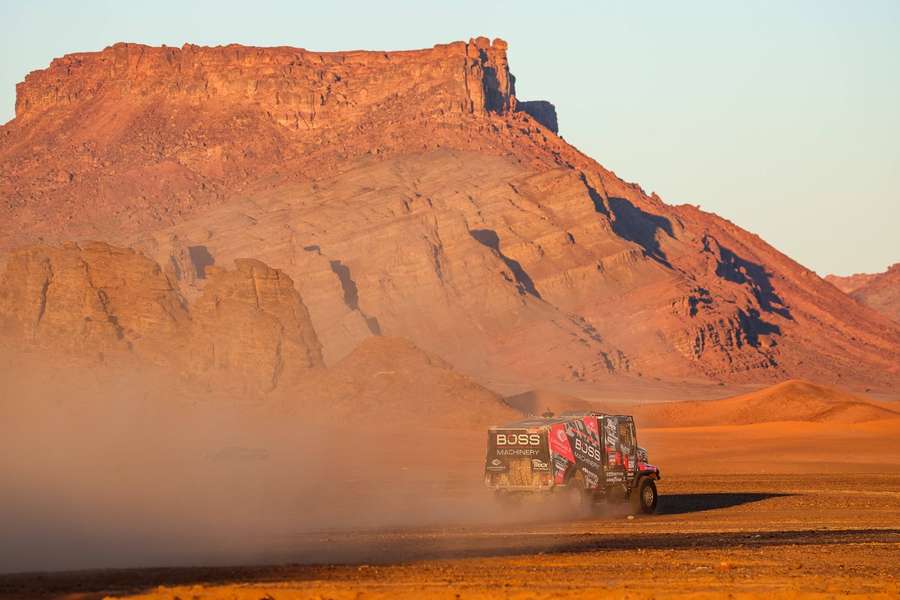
[{"x": 644, "y": 497}]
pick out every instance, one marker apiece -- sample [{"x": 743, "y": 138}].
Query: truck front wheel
[{"x": 644, "y": 497}]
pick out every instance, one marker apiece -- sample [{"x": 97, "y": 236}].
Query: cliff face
[
  {"x": 247, "y": 330},
  {"x": 297, "y": 89},
  {"x": 409, "y": 194},
  {"x": 152, "y": 135}
]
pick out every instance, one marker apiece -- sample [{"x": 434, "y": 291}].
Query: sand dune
[{"x": 792, "y": 400}]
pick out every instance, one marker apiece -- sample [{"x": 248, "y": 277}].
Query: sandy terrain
[
  {"x": 270, "y": 500},
  {"x": 790, "y": 510},
  {"x": 800, "y": 536}
]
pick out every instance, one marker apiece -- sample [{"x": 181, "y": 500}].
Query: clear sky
[{"x": 782, "y": 116}]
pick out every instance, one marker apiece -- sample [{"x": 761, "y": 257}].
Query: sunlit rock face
[{"x": 407, "y": 194}]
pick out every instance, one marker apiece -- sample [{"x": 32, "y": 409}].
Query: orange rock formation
[{"x": 409, "y": 194}]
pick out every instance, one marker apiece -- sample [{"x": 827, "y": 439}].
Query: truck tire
[{"x": 644, "y": 497}]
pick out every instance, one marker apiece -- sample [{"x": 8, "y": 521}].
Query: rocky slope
[
  {"x": 249, "y": 329},
  {"x": 78, "y": 315},
  {"x": 880, "y": 291},
  {"x": 850, "y": 283},
  {"x": 412, "y": 194}
]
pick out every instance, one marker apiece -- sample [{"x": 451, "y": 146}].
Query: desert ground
[
  {"x": 785, "y": 509},
  {"x": 791, "y": 536}
]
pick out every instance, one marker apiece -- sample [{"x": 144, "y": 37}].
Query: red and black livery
[{"x": 593, "y": 454}]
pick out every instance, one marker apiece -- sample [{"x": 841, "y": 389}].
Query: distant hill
[
  {"x": 880, "y": 291},
  {"x": 788, "y": 401}
]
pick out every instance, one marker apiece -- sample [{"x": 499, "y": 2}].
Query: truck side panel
[{"x": 575, "y": 449}]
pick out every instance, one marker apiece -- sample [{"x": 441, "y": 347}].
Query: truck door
[
  {"x": 619, "y": 449},
  {"x": 612, "y": 455},
  {"x": 628, "y": 447}
]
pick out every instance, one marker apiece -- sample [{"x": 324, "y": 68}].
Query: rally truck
[{"x": 584, "y": 457}]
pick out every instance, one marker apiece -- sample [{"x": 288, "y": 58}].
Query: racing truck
[{"x": 586, "y": 457}]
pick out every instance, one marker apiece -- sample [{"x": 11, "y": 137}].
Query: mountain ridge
[
  {"x": 419, "y": 198},
  {"x": 880, "y": 291}
]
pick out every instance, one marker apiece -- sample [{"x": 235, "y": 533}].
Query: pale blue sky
[{"x": 782, "y": 116}]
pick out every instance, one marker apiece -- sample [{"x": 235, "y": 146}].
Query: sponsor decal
[
  {"x": 518, "y": 439},
  {"x": 591, "y": 478},
  {"x": 496, "y": 465},
  {"x": 642, "y": 455},
  {"x": 559, "y": 444},
  {"x": 577, "y": 441},
  {"x": 560, "y": 467},
  {"x": 539, "y": 465},
  {"x": 591, "y": 452},
  {"x": 611, "y": 433},
  {"x": 518, "y": 451},
  {"x": 516, "y": 444}
]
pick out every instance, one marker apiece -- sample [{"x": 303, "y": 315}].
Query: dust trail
[{"x": 125, "y": 468}]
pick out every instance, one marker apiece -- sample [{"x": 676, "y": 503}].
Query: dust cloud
[{"x": 104, "y": 468}]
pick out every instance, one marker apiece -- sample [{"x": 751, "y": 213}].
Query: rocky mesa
[{"x": 409, "y": 194}]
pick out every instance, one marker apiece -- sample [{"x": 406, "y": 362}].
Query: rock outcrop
[
  {"x": 298, "y": 89},
  {"x": 94, "y": 298},
  {"x": 247, "y": 330},
  {"x": 251, "y": 323},
  {"x": 412, "y": 194},
  {"x": 543, "y": 112}
]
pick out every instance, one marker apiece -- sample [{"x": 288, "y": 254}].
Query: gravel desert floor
[{"x": 787, "y": 535}]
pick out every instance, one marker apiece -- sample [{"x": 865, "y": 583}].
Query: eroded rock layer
[
  {"x": 248, "y": 329},
  {"x": 410, "y": 194}
]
